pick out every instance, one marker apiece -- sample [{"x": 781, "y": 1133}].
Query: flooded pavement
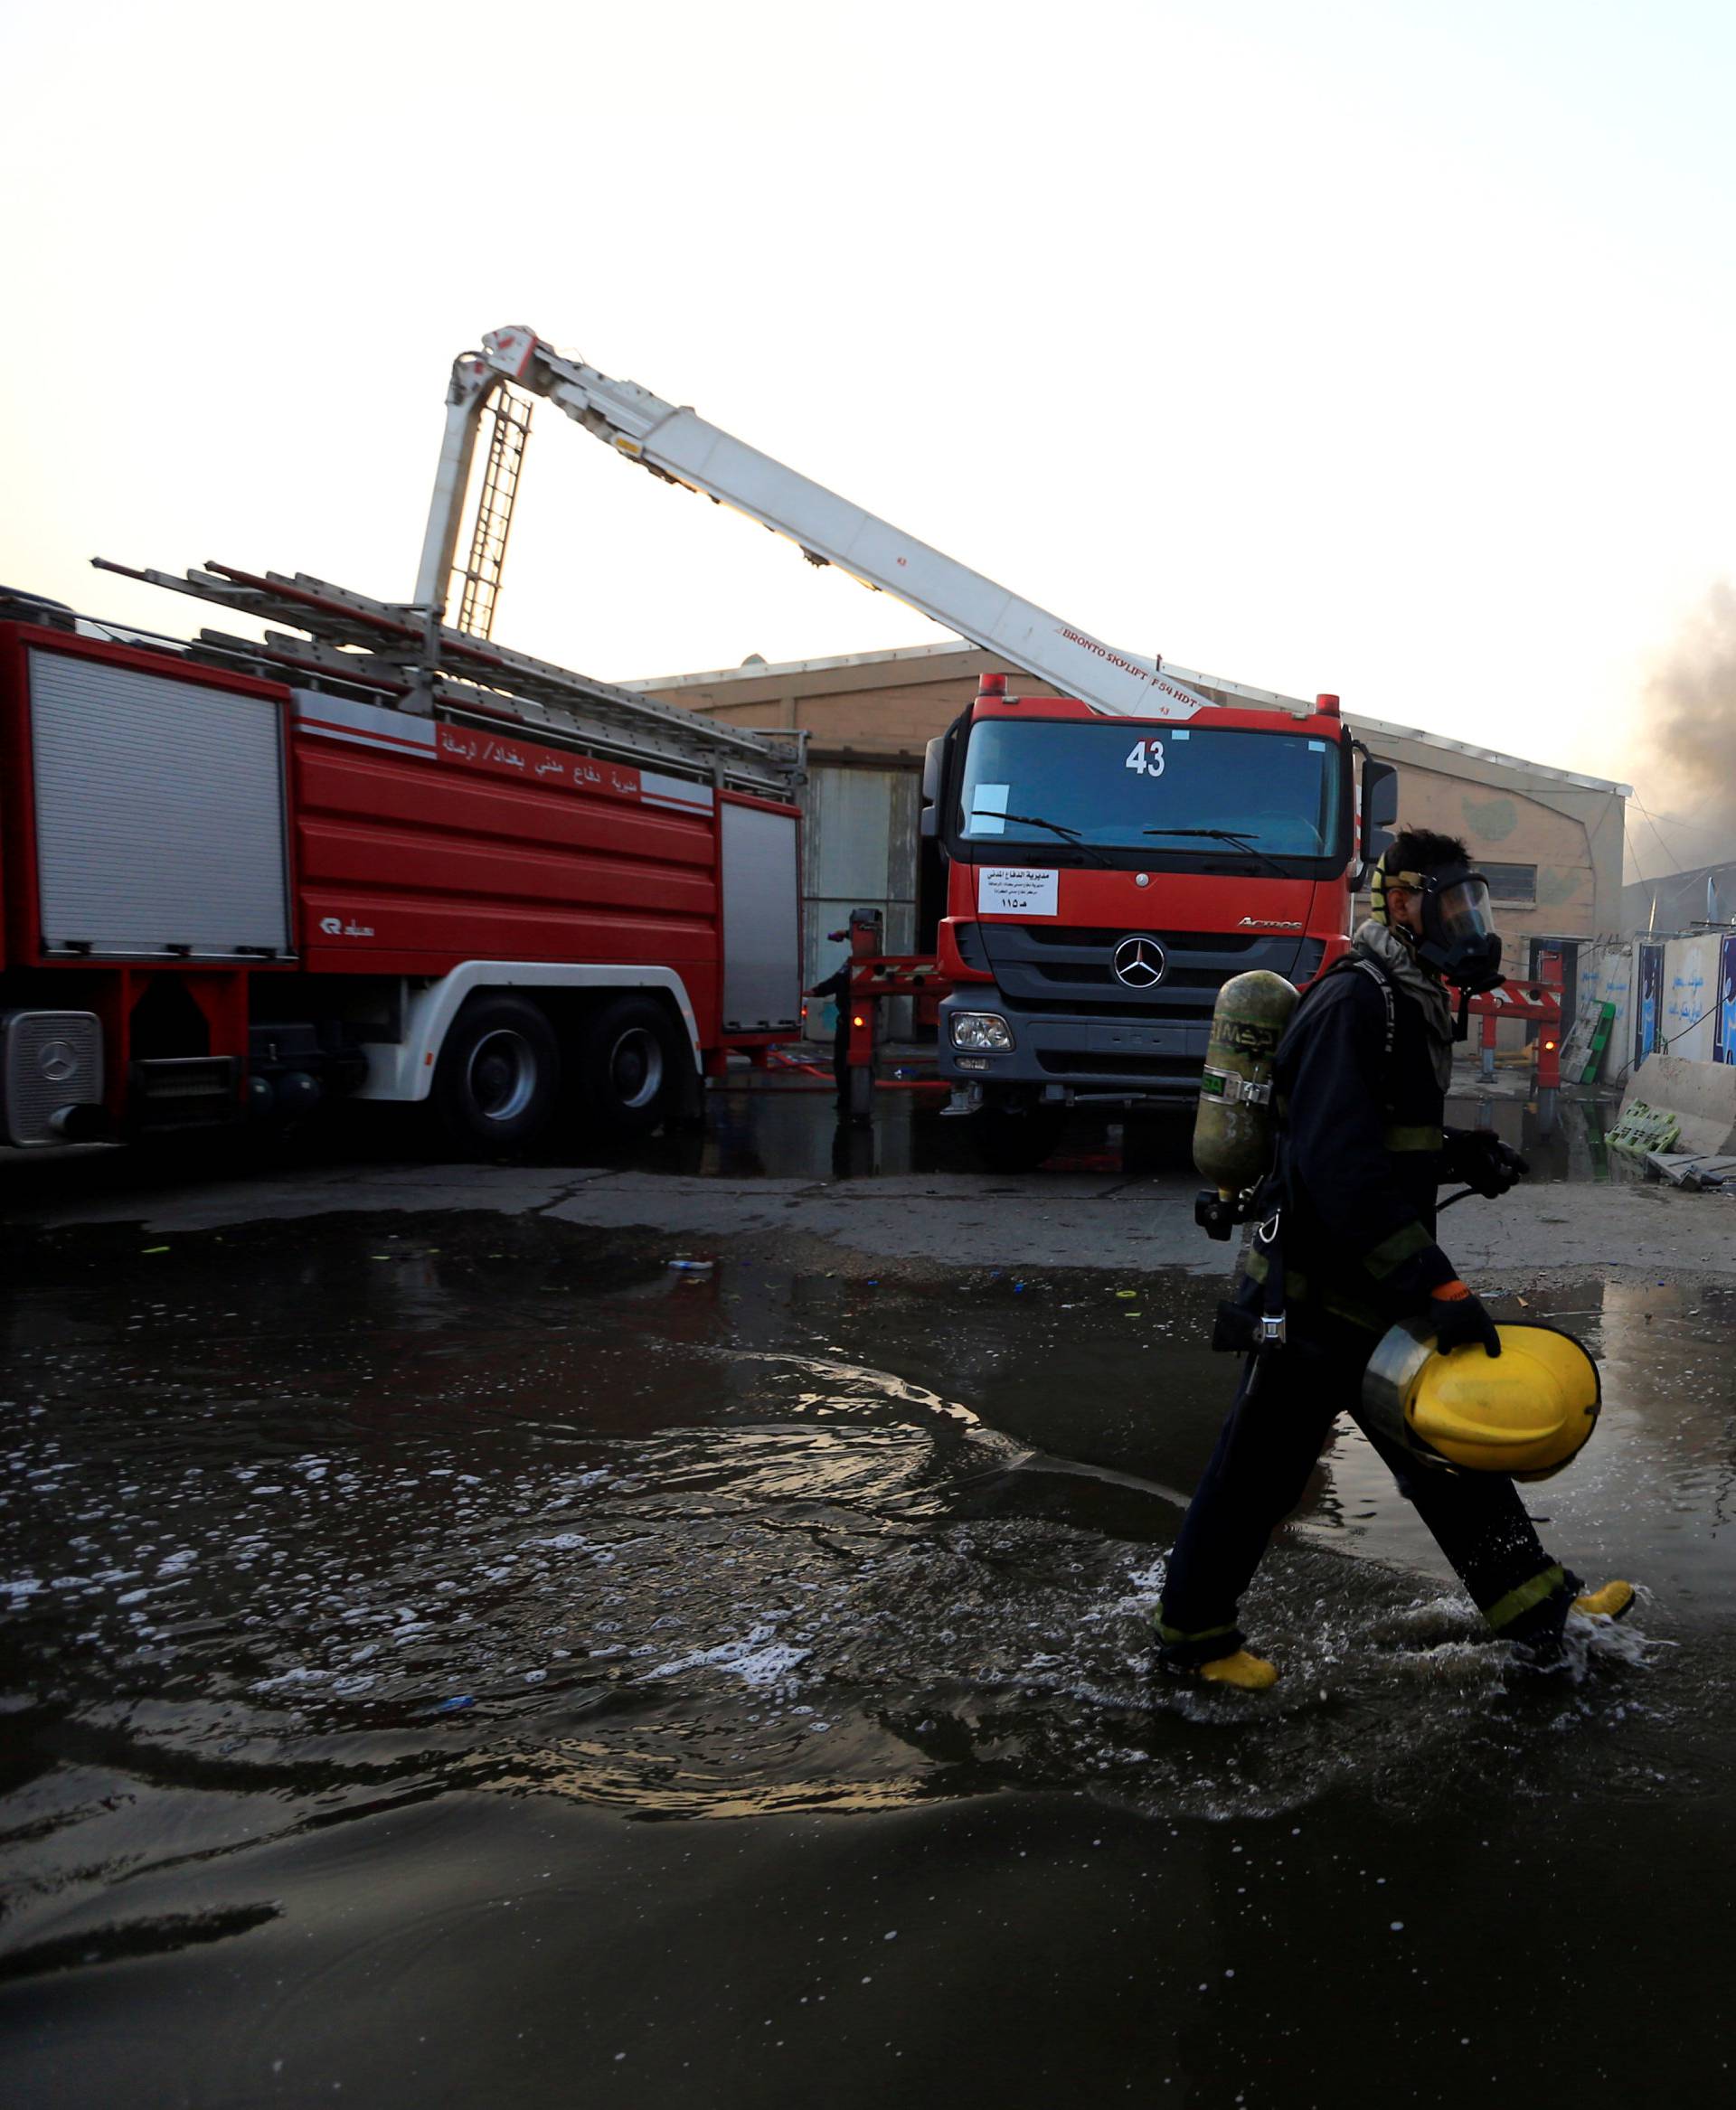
[{"x": 455, "y": 1657}]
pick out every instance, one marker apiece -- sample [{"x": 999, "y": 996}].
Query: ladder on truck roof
[
  {"x": 681, "y": 447},
  {"x": 399, "y": 656},
  {"x": 509, "y": 432}
]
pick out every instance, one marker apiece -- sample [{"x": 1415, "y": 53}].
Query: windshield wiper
[
  {"x": 1229, "y": 835},
  {"x": 1071, "y": 835}
]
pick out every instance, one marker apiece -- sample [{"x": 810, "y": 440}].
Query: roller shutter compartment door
[
  {"x": 159, "y": 814},
  {"x": 762, "y": 988}
]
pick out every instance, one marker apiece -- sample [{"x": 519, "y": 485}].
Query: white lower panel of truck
[
  {"x": 403, "y": 1070},
  {"x": 160, "y": 822}
]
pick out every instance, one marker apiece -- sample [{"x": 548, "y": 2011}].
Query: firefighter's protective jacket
[{"x": 1360, "y": 1141}]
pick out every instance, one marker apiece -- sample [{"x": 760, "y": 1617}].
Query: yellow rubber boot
[
  {"x": 1610, "y": 1602},
  {"x": 1242, "y": 1672}
]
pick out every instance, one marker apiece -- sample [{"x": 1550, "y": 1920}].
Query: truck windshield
[{"x": 1122, "y": 785}]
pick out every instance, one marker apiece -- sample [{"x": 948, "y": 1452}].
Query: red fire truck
[
  {"x": 380, "y": 859},
  {"x": 1107, "y": 875}
]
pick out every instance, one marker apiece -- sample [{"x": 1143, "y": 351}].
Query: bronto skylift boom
[{"x": 680, "y": 447}]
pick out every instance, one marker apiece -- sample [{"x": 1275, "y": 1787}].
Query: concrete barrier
[{"x": 1700, "y": 1094}]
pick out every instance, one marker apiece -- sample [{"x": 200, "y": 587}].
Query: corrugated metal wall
[{"x": 859, "y": 851}]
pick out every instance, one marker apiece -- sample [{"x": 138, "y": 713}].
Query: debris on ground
[
  {"x": 1699, "y": 1171},
  {"x": 1644, "y": 1128}
]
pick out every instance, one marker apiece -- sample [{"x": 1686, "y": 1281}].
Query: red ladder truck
[{"x": 1116, "y": 851}]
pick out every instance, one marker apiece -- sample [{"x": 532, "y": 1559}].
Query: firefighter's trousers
[
  {"x": 841, "y": 1062},
  {"x": 1284, "y": 1410}
]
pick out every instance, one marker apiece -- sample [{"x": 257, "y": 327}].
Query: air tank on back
[{"x": 1232, "y": 1128}]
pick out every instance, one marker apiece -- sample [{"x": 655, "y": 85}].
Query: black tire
[
  {"x": 629, "y": 1073},
  {"x": 498, "y": 1079},
  {"x": 1014, "y": 1141}
]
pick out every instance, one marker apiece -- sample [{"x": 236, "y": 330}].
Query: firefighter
[
  {"x": 1346, "y": 1247},
  {"x": 837, "y": 987}
]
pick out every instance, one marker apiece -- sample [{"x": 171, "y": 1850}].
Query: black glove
[
  {"x": 1485, "y": 1164},
  {"x": 1460, "y": 1319}
]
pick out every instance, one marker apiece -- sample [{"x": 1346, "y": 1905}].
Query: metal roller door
[
  {"x": 762, "y": 991},
  {"x": 159, "y": 814},
  {"x": 861, "y": 850}
]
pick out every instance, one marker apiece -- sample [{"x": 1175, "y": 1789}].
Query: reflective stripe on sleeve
[
  {"x": 1296, "y": 1292},
  {"x": 1391, "y": 1253},
  {"x": 1400, "y": 1138}
]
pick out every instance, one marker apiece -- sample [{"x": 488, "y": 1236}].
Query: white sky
[{"x": 1378, "y": 347}]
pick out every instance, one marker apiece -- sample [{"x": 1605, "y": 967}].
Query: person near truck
[
  {"x": 836, "y": 986},
  {"x": 1359, "y": 1085}
]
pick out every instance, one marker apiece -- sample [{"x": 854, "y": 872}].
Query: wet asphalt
[{"x": 451, "y": 1656}]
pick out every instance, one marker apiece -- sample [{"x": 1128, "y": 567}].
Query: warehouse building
[
  {"x": 1550, "y": 840},
  {"x": 1705, "y": 894}
]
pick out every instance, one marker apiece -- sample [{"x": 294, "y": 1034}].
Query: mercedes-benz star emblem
[
  {"x": 1139, "y": 963},
  {"x": 57, "y": 1060}
]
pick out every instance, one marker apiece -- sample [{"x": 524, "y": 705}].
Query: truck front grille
[
  {"x": 1070, "y": 968},
  {"x": 1176, "y": 1070},
  {"x": 1196, "y": 1009}
]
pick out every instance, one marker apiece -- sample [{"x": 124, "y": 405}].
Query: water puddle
[
  {"x": 346, "y": 1520},
  {"x": 605, "y": 1544}
]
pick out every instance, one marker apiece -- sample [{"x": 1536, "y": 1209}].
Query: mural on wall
[
  {"x": 1723, "y": 1045},
  {"x": 1691, "y": 1001},
  {"x": 1492, "y": 819},
  {"x": 1651, "y": 1001},
  {"x": 1606, "y": 977}
]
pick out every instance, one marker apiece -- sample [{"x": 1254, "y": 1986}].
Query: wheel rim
[
  {"x": 501, "y": 1075},
  {"x": 636, "y": 1067}
]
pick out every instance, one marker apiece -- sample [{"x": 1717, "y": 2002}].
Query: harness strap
[
  {"x": 1384, "y": 983},
  {"x": 1268, "y": 1243}
]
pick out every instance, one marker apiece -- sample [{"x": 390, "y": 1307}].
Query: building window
[{"x": 1510, "y": 882}]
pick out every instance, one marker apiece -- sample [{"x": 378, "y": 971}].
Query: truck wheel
[
  {"x": 629, "y": 1070},
  {"x": 1014, "y": 1141},
  {"x": 499, "y": 1076}
]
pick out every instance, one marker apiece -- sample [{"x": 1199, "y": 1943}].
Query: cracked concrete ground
[{"x": 1058, "y": 1217}]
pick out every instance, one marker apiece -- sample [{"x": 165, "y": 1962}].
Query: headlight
[{"x": 980, "y": 1028}]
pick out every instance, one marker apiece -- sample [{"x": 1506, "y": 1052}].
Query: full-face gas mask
[{"x": 1458, "y": 939}]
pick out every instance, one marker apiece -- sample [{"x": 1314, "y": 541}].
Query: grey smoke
[{"x": 1691, "y": 727}]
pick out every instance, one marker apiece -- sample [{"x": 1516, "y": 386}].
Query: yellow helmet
[{"x": 1526, "y": 1412}]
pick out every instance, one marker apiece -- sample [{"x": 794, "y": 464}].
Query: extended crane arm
[{"x": 681, "y": 446}]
